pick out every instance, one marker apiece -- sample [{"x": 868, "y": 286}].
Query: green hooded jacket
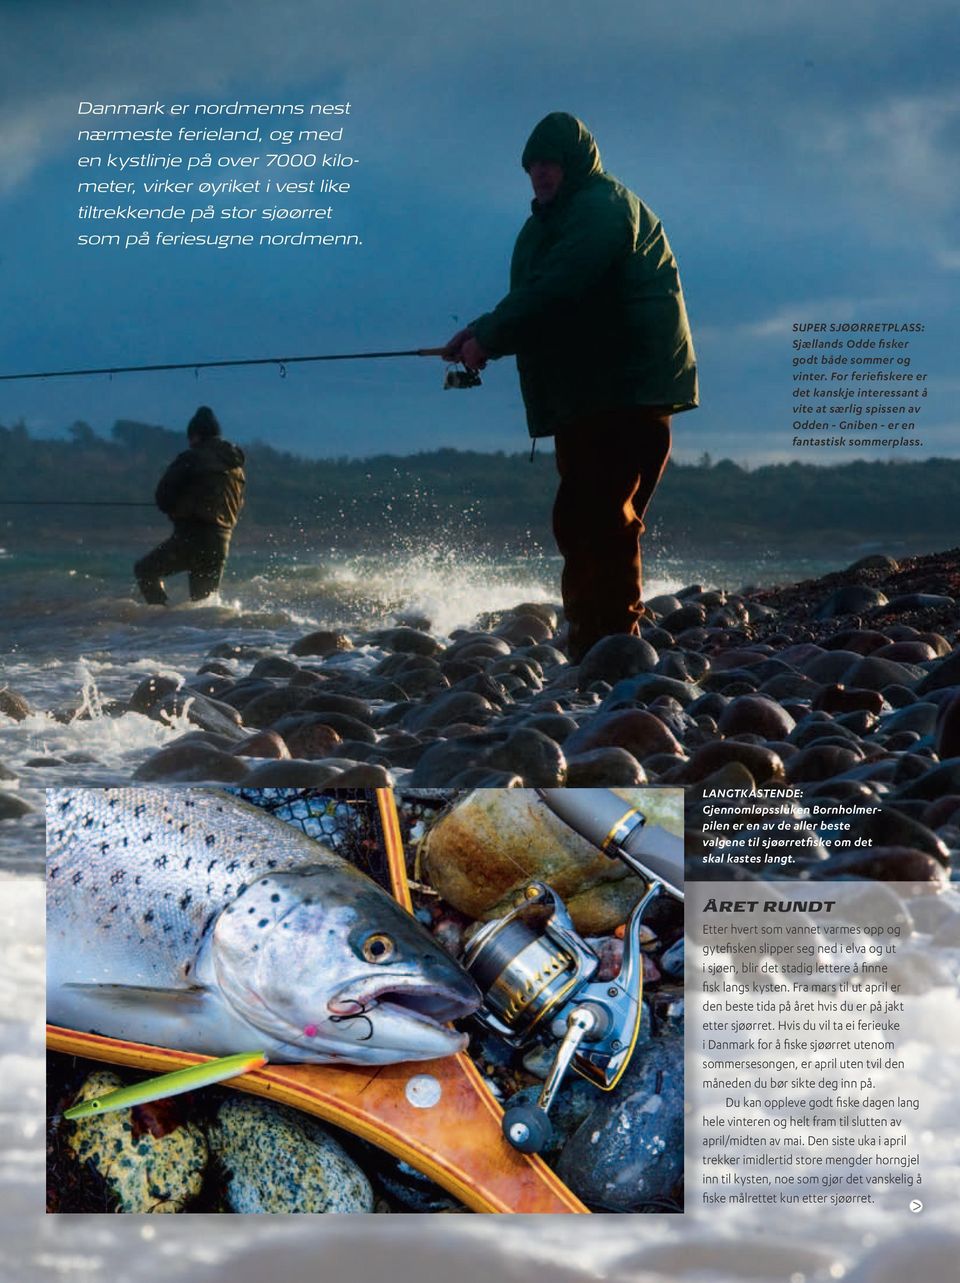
[{"x": 595, "y": 313}]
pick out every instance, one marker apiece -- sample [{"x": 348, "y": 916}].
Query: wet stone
[
  {"x": 209, "y": 686},
  {"x": 646, "y": 687},
  {"x": 639, "y": 732},
  {"x": 262, "y": 744},
  {"x": 886, "y": 864},
  {"x": 294, "y": 773},
  {"x": 199, "y": 710},
  {"x": 906, "y": 652},
  {"x": 246, "y": 690},
  {"x": 820, "y": 762},
  {"x": 529, "y": 671},
  {"x": 453, "y": 706},
  {"x": 852, "y": 599},
  {"x": 484, "y": 777},
  {"x": 477, "y": 645},
  {"x": 628, "y": 1151},
  {"x": 755, "y": 713},
  {"x": 365, "y": 775},
  {"x": 671, "y": 961},
  {"x": 13, "y": 705},
  {"x": 945, "y": 673},
  {"x": 763, "y": 763},
  {"x": 409, "y": 641},
  {"x": 604, "y": 767},
  {"x": 841, "y": 699},
  {"x": 192, "y": 763},
  {"x": 343, "y": 724},
  {"x": 149, "y": 691},
  {"x": 862, "y": 641},
  {"x": 664, "y": 604},
  {"x": 279, "y": 1160},
  {"x": 891, "y": 827},
  {"x": 830, "y": 666},
  {"x": 875, "y": 673},
  {"x": 524, "y": 629},
  {"x": 485, "y": 685},
  {"x": 921, "y": 601},
  {"x": 267, "y": 708},
  {"x": 443, "y": 761},
  {"x": 309, "y": 737},
  {"x": 615, "y": 657},
  {"x": 274, "y": 666},
  {"x": 336, "y": 702},
  {"x": 789, "y": 686},
  {"x": 323, "y": 642},
  {"x": 532, "y": 755},
  {"x": 948, "y": 728},
  {"x": 557, "y": 725},
  {"x": 214, "y": 667},
  {"x": 149, "y": 1167},
  {"x": 13, "y": 807},
  {"x": 689, "y": 616},
  {"x": 546, "y": 656}
]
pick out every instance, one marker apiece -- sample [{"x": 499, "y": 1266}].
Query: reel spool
[
  {"x": 535, "y": 974},
  {"x": 461, "y": 378}
]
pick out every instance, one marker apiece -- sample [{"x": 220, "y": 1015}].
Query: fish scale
[
  {"x": 190, "y": 918},
  {"x": 151, "y": 868}
]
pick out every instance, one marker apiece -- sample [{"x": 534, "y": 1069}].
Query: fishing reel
[
  {"x": 536, "y": 976},
  {"x": 461, "y": 378}
]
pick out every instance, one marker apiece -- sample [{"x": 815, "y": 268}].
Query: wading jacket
[
  {"x": 595, "y": 313},
  {"x": 204, "y": 485}
]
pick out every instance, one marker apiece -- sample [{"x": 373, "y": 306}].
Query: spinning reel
[
  {"x": 461, "y": 378},
  {"x": 536, "y": 973}
]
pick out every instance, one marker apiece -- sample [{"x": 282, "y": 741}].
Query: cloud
[
  {"x": 899, "y": 161},
  {"x": 58, "y": 52},
  {"x": 781, "y": 321}
]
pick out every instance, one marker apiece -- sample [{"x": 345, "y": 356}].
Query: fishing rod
[
  {"x": 463, "y": 378},
  {"x": 80, "y": 503}
]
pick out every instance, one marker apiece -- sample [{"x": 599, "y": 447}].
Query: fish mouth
[{"x": 430, "y": 1005}]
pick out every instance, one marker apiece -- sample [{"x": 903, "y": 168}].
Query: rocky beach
[{"x": 844, "y": 688}]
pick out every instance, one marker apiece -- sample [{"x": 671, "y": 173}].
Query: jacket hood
[
  {"x": 566, "y": 141},
  {"x": 218, "y": 454}
]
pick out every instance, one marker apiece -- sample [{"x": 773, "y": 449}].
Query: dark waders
[{"x": 195, "y": 547}]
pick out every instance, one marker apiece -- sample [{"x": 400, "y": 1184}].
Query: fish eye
[{"x": 378, "y": 948}]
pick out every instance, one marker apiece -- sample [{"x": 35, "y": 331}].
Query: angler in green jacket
[
  {"x": 202, "y": 493},
  {"x": 596, "y": 318}
]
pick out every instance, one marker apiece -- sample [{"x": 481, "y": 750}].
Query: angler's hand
[
  {"x": 452, "y": 350},
  {"x": 473, "y": 355}
]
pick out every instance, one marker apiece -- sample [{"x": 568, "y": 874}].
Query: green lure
[{"x": 181, "y": 1080}]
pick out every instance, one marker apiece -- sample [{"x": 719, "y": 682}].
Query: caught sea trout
[{"x": 188, "y": 919}]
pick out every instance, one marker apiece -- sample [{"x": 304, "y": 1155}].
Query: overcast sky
[{"x": 802, "y": 156}]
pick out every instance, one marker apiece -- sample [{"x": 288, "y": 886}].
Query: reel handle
[{"x": 527, "y": 1127}]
